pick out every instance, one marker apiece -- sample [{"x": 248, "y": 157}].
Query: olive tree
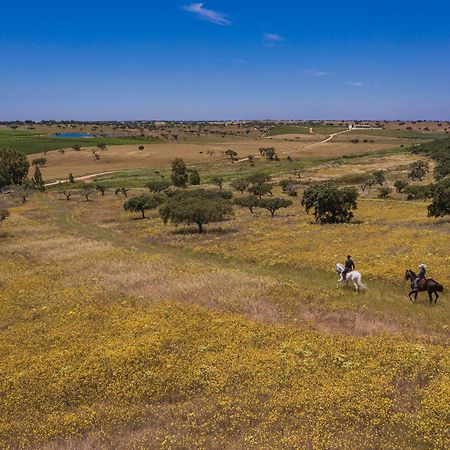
[
  {"x": 249, "y": 201},
  {"x": 240, "y": 185},
  {"x": 418, "y": 170},
  {"x": 158, "y": 186},
  {"x": 440, "y": 205}
]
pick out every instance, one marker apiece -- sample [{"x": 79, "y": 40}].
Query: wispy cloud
[
  {"x": 208, "y": 15},
  {"x": 315, "y": 73},
  {"x": 272, "y": 37},
  {"x": 239, "y": 61},
  {"x": 357, "y": 84}
]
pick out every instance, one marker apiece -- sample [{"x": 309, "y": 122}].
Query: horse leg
[
  {"x": 436, "y": 298},
  {"x": 409, "y": 295},
  {"x": 356, "y": 287}
]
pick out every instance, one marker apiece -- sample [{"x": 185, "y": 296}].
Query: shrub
[
  {"x": 418, "y": 170},
  {"x": 384, "y": 192},
  {"x": 379, "y": 177},
  {"x": 158, "y": 186},
  {"x": 330, "y": 204},
  {"x": 194, "y": 177},
  {"x": 415, "y": 192},
  {"x": 4, "y": 214},
  {"x": 258, "y": 178},
  {"x": 38, "y": 181},
  {"x": 199, "y": 206},
  {"x": 218, "y": 182},
  {"x": 400, "y": 185},
  {"x": 441, "y": 199}
]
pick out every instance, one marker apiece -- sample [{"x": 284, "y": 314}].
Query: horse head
[
  {"x": 339, "y": 268},
  {"x": 410, "y": 275}
]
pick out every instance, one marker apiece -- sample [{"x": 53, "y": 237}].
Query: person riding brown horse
[{"x": 424, "y": 285}]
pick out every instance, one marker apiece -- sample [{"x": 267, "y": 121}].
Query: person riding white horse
[{"x": 352, "y": 275}]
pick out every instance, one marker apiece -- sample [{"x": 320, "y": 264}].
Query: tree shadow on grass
[{"x": 206, "y": 230}]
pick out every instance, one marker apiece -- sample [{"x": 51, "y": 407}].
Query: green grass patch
[{"x": 29, "y": 143}]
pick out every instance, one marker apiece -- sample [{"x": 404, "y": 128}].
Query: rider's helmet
[
  {"x": 348, "y": 256},
  {"x": 422, "y": 266}
]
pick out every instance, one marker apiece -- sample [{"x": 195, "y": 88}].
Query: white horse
[{"x": 353, "y": 276}]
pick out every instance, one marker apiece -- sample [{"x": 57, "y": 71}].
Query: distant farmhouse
[{"x": 362, "y": 126}]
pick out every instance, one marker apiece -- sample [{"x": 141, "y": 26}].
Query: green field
[
  {"x": 398, "y": 134},
  {"x": 29, "y": 143}
]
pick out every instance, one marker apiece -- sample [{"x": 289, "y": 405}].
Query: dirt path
[
  {"x": 328, "y": 139},
  {"x": 83, "y": 178}
]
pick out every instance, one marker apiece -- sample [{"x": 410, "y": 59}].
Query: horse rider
[
  {"x": 349, "y": 266},
  {"x": 421, "y": 276}
]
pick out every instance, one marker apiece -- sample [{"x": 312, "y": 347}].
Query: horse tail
[
  {"x": 360, "y": 283},
  {"x": 439, "y": 287}
]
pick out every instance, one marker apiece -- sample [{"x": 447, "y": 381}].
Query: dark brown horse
[{"x": 429, "y": 285}]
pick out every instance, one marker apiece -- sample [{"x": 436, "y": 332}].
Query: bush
[
  {"x": 218, "y": 182},
  {"x": 400, "y": 185},
  {"x": 330, "y": 204},
  {"x": 194, "y": 177},
  {"x": 441, "y": 199},
  {"x": 260, "y": 189},
  {"x": 259, "y": 178},
  {"x": 199, "y": 206},
  {"x": 4, "y": 214},
  {"x": 143, "y": 203},
  {"x": 384, "y": 192},
  {"x": 415, "y": 192},
  {"x": 158, "y": 186},
  {"x": 418, "y": 170}
]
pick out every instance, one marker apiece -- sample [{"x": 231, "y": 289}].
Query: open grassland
[{"x": 131, "y": 334}]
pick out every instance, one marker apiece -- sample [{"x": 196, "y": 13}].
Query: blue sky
[{"x": 224, "y": 59}]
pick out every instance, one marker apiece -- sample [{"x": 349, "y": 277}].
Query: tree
[
  {"x": 179, "y": 173},
  {"x": 101, "y": 146},
  {"x": 289, "y": 187},
  {"x": 400, "y": 185},
  {"x": 141, "y": 148},
  {"x": 273, "y": 204},
  {"x": 13, "y": 167},
  {"x": 158, "y": 186},
  {"x": 39, "y": 162},
  {"x": 38, "y": 181},
  {"x": 194, "y": 177},
  {"x": 100, "y": 188},
  {"x": 269, "y": 153},
  {"x": 123, "y": 191},
  {"x": 250, "y": 202},
  {"x": 368, "y": 184},
  {"x": 440, "y": 205},
  {"x": 260, "y": 189},
  {"x": 199, "y": 206},
  {"x": 22, "y": 191},
  {"x": 416, "y": 192},
  {"x": 240, "y": 185},
  {"x": 259, "y": 178},
  {"x": 379, "y": 177},
  {"x": 4, "y": 214},
  {"x": 384, "y": 192},
  {"x": 231, "y": 154},
  {"x": 418, "y": 170},
  {"x": 143, "y": 203},
  {"x": 67, "y": 194},
  {"x": 251, "y": 160},
  {"x": 218, "y": 182},
  {"x": 76, "y": 147},
  {"x": 86, "y": 191},
  {"x": 330, "y": 204},
  {"x": 71, "y": 178}
]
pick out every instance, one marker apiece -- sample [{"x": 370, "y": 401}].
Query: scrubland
[{"x": 117, "y": 332}]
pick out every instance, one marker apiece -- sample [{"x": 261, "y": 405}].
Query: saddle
[{"x": 421, "y": 284}]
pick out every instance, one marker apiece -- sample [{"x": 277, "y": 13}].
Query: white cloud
[
  {"x": 273, "y": 37},
  {"x": 208, "y": 15},
  {"x": 356, "y": 84},
  {"x": 315, "y": 73}
]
